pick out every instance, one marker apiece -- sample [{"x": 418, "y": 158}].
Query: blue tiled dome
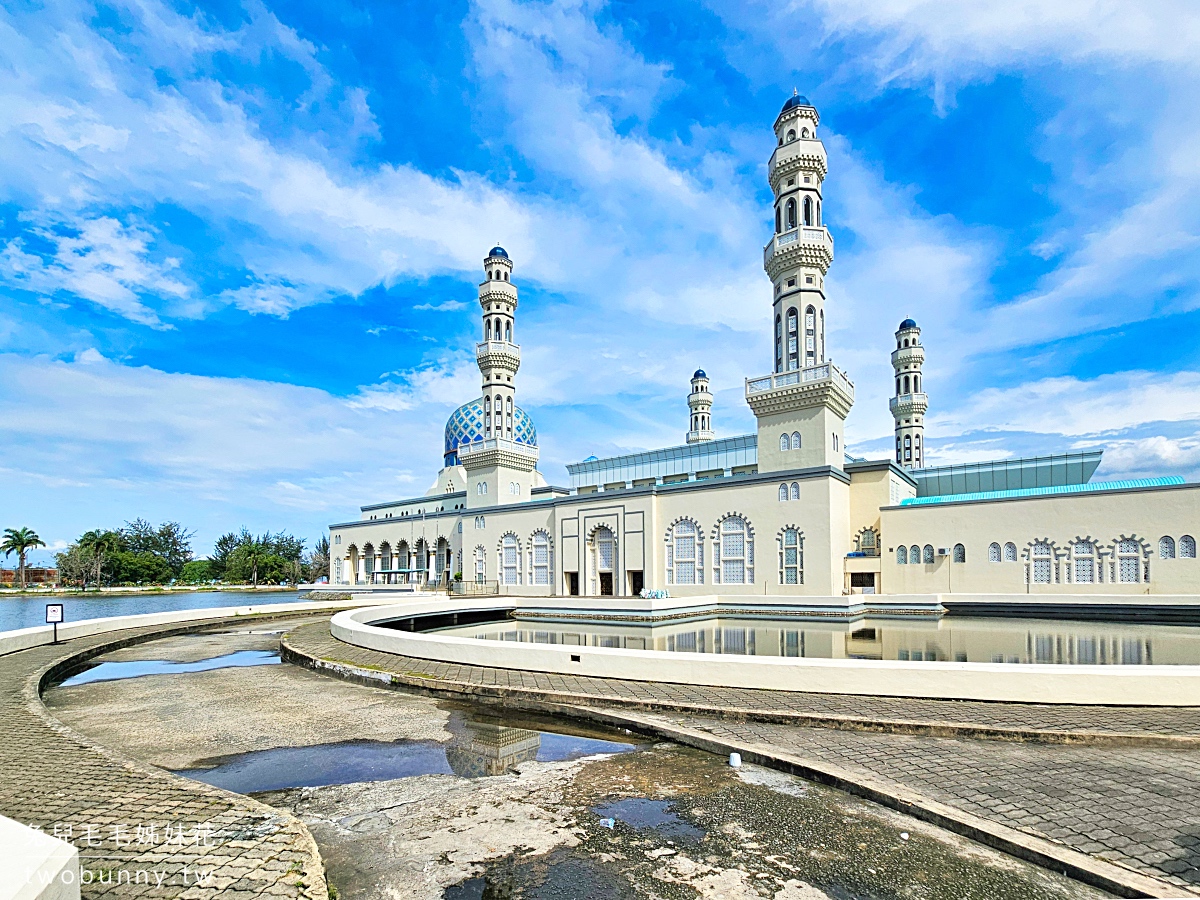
[
  {"x": 498, "y": 251},
  {"x": 907, "y": 323},
  {"x": 699, "y": 374},
  {"x": 465, "y": 426},
  {"x": 794, "y": 100}
]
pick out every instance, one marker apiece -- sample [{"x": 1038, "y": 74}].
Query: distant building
[
  {"x": 9, "y": 577},
  {"x": 783, "y": 511}
]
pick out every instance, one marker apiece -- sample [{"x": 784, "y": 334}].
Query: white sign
[{"x": 54, "y": 613}]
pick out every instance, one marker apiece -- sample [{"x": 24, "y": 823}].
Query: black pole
[{"x": 56, "y": 632}]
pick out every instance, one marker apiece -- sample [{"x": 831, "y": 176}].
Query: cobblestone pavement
[
  {"x": 1136, "y": 806},
  {"x": 135, "y": 823}
]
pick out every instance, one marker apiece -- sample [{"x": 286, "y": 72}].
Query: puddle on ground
[
  {"x": 478, "y": 748},
  {"x": 116, "y": 671},
  {"x": 559, "y": 875},
  {"x": 642, "y": 812}
]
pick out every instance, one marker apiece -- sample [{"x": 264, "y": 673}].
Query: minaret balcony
[
  {"x": 498, "y": 354},
  {"x": 808, "y": 245},
  {"x": 497, "y": 452},
  {"x": 909, "y": 405},
  {"x": 908, "y": 356},
  {"x": 825, "y": 384}
]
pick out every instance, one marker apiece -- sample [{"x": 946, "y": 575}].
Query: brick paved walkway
[
  {"x": 1136, "y": 807},
  {"x": 56, "y": 779}
]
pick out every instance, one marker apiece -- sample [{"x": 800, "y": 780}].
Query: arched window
[
  {"x": 540, "y": 557},
  {"x": 480, "y": 564},
  {"x": 1042, "y": 555},
  {"x": 1187, "y": 547},
  {"x": 868, "y": 542},
  {"x": 791, "y": 213},
  {"x": 795, "y": 440},
  {"x": 1083, "y": 562},
  {"x": 993, "y": 552},
  {"x": 906, "y": 384},
  {"x": 795, "y": 490},
  {"x": 733, "y": 552},
  {"x": 778, "y": 343},
  {"x": 791, "y": 557},
  {"x": 506, "y": 276},
  {"x": 783, "y": 493},
  {"x": 487, "y": 330},
  {"x": 817, "y": 221},
  {"x": 914, "y": 555},
  {"x": 1166, "y": 547},
  {"x": 778, "y": 220},
  {"x": 685, "y": 555},
  {"x": 510, "y": 557},
  {"x": 803, "y": 132},
  {"x": 337, "y": 571},
  {"x": 808, "y": 211},
  {"x": 1129, "y": 565},
  {"x": 902, "y": 555},
  {"x": 508, "y": 331},
  {"x": 927, "y": 554},
  {"x": 897, "y": 384},
  {"x": 791, "y": 135},
  {"x": 1010, "y": 552},
  {"x": 793, "y": 338},
  {"x": 959, "y": 553},
  {"x": 916, "y": 384},
  {"x": 810, "y": 339},
  {"x": 785, "y": 443}
]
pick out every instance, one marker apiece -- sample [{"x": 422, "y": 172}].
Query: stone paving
[
  {"x": 141, "y": 832},
  {"x": 1135, "y": 806}
]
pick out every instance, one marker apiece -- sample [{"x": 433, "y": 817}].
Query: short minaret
[
  {"x": 500, "y": 464},
  {"x": 700, "y": 404},
  {"x": 909, "y": 405}
]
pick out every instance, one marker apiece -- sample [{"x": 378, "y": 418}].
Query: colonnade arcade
[{"x": 425, "y": 562}]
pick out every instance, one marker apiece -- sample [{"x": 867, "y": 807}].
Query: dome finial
[{"x": 795, "y": 92}]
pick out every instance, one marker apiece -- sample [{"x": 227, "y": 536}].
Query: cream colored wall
[
  {"x": 1101, "y": 517},
  {"x": 869, "y": 491},
  {"x": 817, "y": 426}
]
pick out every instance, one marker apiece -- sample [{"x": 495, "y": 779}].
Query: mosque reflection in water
[
  {"x": 946, "y": 639},
  {"x": 479, "y": 748}
]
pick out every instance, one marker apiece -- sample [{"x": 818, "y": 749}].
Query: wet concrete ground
[{"x": 506, "y": 821}]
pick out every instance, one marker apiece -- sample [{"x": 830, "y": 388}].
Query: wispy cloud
[{"x": 444, "y": 306}]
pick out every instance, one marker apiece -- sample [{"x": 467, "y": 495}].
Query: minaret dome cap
[
  {"x": 794, "y": 101},
  {"x": 699, "y": 374},
  {"x": 498, "y": 251},
  {"x": 907, "y": 323}
]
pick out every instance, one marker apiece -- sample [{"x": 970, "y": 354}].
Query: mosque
[{"x": 784, "y": 511}]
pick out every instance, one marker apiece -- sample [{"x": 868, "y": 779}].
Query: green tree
[
  {"x": 198, "y": 571},
  {"x": 20, "y": 541},
  {"x": 139, "y": 567},
  {"x": 318, "y": 561},
  {"x": 170, "y": 541},
  {"x": 99, "y": 545}
]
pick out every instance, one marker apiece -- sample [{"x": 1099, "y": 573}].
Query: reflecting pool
[{"x": 945, "y": 639}]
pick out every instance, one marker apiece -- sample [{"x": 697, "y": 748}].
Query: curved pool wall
[{"x": 1146, "y": 685}]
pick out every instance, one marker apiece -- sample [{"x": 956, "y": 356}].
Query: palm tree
[
  {"x": 99, "y": 544},
  {"x": 20, "y": 541},
  {"x": 255, "y": 551}
]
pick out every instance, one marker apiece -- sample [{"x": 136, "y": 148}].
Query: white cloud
[{"x": 444, "y": 306}]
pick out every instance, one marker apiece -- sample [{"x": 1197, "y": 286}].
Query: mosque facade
[{"x": 784, "y": 511}]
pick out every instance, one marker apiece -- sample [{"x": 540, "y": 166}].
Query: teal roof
[
  {"x": 1014, "y": 473},
  {"x": 1132, "y": 484}
]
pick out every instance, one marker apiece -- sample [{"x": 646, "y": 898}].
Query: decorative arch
[
  {"x": 789, "y": 542},
  {"x": 795, "y": 490},
  {"x": 783, "y": 493},
  {"x": 867, "y": 541},
  {"x": 808, "y": 211},
  {"x": 1041, "y": 562},
  {"x": 1130, "y": 562},
  {"x": 914, "y": 555},
  {"x": 1166, "y": 547},
  {"x": 795, "y": 440},
  {"x": 733, "y": 550},
  {"x": 790, "y": 213},
  {"x": 602, "y": 558},
  {"x": 927, "y": 554},
  {"x": 1187, "y": 547},
  {"x": 685, "y": 551},
  {"x": 508, "y": 551},
  {"x": 541, "y": 557},
  {"x": 1084, "y": 567},
  {"x": 479, "y": 562},
  {"x": 785, "y": 443},
  {"x": 958, "y": 554},
  {"x": 902, "y": 555},
  {"x": 1010, "y": 552}
]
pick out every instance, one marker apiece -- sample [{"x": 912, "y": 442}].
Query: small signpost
[{"x": 54, "y": 615}]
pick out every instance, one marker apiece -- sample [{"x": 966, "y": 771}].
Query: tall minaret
[
  {"x": 802, "y": 406},
  {"x": 799, "y": 255},
  {"x": 500, "y": 466},
  {"x": 700, "y": 405},
  {"x": 909, "y": 405}
]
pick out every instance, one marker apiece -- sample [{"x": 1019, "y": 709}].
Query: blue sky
[{"x": 239, "y": 242}]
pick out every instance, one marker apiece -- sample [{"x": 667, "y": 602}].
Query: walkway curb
[{"x": 1112, "y": 877}]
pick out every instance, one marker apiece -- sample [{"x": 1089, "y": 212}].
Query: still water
[
  {"x": 26, "y": 612},
  {"x": 948, "y": 639}
]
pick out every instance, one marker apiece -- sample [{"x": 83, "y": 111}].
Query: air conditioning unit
[{"x": 943, "y": 551}]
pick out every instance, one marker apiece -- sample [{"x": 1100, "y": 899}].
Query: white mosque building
[{"x": 781, "y": 512}]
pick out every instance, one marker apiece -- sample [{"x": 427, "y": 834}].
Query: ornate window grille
[
  {"x": 510, "y": 556},
  {"x": 1187, "y": 547},
  {"x": 783, "y": 493},
  {"x": 1129, "y": 564},
  {"x": 914, "y": 555},
  {"x": 902, "y": 555},
  {"x": 685, "y": 559},
  {"x": 1084, "y": 562},
  {"x": 1042, "y": 557},
  {"x": 993, "y": 552},
  {"x": 959, "y": 553},
  {"x": 733, "y": 552},
  {"x": 480, "y": 564},
  {"x": 1010, "y": 552},
  {"x": 791, "y": 557},
  {"x": 540, "y": 557},
  {"x": 927, "y": 554},
  {"x": 1166, "y": 547}
]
